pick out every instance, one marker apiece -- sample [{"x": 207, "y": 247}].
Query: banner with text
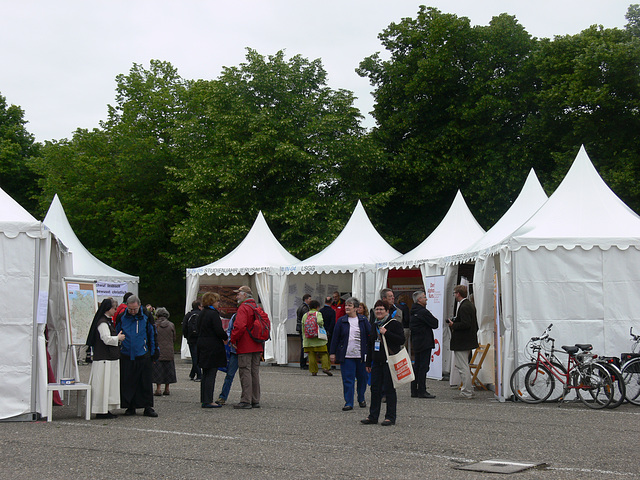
[{"x": 434, "y": 288}]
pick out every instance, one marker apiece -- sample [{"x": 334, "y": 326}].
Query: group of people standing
[
  {"x": 212, "y": 348},
  {"x": 132, "y": 349},
  {"x": 361, "y": 346}
]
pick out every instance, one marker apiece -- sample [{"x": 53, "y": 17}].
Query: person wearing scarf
[
  {"x": 381, "y": 381},
  {"x": 105, "y": 369}
]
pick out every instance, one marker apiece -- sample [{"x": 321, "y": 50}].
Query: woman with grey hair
[
  {"x": 164, "y": 369},
  {"x": 349, "y": 348}
]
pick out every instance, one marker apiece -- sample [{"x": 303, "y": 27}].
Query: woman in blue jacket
[{"x": 349, "y": 349}]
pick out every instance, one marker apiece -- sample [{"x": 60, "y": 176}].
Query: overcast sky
[{"x": 59, "y": 59}]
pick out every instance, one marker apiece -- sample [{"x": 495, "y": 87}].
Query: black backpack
[{"x": 192, "y": 326}]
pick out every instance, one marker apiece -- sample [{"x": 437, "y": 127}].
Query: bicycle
[
  {"x": 612, "y": 366},
  {"x": 631, "y": 371},
  {"x": 534, "y": 382},
  {"x": 542, "y": 343}
]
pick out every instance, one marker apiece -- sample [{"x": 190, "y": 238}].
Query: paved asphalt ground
[{"x": 301, "y": 432}]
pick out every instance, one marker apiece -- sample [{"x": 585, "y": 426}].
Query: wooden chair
[{"x": 476, "y": 364}]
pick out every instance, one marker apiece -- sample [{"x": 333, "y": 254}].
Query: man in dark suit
[
  {"x": 464, "y": 337},
  {"x": 329, "y": 317},
  {"x": 422, "y": 324}
]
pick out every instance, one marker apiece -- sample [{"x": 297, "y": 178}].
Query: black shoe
[
  {"x": 386, "y": 422},
  {"x": 243, "y": 406},
  {"x": 197, "y": 379},
  {"x": 255, "y": 405},
  {"x": 328, "y": 372},
  {"x": 414, "y": 395},
  {"x": 384, "y": 399},
  {"x": 426, "y": 395},
  {"x": 130, "y": 411},
  {"x": 106, "y": 416},
  {"x": 368, "y": 421},
  {"x": 346, "y": 408},
  {"x": 304, "y": 367},
  {"x": 211, "y": 405},
  {"x": 150, "y": 412},
  {"x": 362, "y": 404}
]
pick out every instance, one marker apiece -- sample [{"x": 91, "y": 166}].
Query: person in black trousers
[
  {"x": 422, "y": 324},
  {"x": 381, "y": 380}
]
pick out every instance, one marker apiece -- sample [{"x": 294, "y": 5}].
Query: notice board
[{"x": 81, "y": 305}]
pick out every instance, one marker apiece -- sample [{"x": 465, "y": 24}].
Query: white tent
[
  {"x": 255, "y": 262},
  {"x": 530, "y": 199},
  {"x": 85, "y": 265},
  {"x": 575, "y": 263},
  {"x": 350, "y": 262},
  {"x": 31, "y": 269},
  {"x": 456, "y": 232}
]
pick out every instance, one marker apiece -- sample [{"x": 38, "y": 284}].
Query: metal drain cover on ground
[{"x": 499, "y": 466}]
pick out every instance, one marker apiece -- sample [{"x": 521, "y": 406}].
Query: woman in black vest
[{"x": 105, "y": 369}]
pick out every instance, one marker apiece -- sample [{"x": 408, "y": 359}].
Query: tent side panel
[
  {"x": 17, "y": 263},
  {"x": 621, "y": 274},
  {"x": 563, "y": 287}
]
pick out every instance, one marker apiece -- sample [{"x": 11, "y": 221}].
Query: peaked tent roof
[
  {"x": 456, "y": 232},
  {"x": 84, "y": 263},
  {"x": 358, "y": 247},
  {"x": 14, "y": 219},
  {"x": 530, "y": 199},
  {"x": 260, "y": 251},
  {"x": 583, "y": 211}
]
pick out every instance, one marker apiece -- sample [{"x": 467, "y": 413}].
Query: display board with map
[{"x": 81, "y": 304}]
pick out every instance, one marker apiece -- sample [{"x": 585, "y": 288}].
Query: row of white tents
[{"x": 572, "y": 260}]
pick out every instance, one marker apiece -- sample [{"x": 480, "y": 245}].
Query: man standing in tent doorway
[
  {"x": 329, "y": 317},
  {"x": 464, "y": 338},
  {"x": 338, "y": 305},
  {"x": 302, "y": 309}
]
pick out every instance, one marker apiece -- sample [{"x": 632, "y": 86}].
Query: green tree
[
  {"x": 449, "y": 105},
  {"x": 589, "y": 93},
  {"x": 114, "y": 181},
  {"x": 17, "y": 145},
  {"x": 269, "y": 135}
]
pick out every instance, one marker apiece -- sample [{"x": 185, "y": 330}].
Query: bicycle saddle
[
  {"x": 570, "y": 349},
  {"x": 587, "y": 347}
]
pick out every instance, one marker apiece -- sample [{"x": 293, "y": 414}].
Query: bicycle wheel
[
  {"x": 596, "y": 387},
  {"x": 558, "y": 391},
  {"x": 531, "y": 383},
  {"x": 619, "y": 389},
  {"x": 631, "y": 378}
]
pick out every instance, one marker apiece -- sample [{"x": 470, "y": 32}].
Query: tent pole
[
  {"x": 34, "y": 338},
  {"x": 514, "y": 327}
]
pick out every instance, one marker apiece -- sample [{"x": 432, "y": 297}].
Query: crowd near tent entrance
[
  {"x": 457, "y": 230},
  {"x": 255, "y": 262},
  {"x": 32, "y": 264},
  {"x": 350, "y": 264}
]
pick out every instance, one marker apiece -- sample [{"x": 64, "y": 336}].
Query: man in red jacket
[{"x": 249, "y": 351}]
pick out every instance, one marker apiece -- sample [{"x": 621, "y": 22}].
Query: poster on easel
[
  {"x": 434, "y": 288},
  {"x": 81, "y": 304}
]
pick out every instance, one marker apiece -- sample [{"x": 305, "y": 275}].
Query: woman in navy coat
[{"x": 349, "y": 349}]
